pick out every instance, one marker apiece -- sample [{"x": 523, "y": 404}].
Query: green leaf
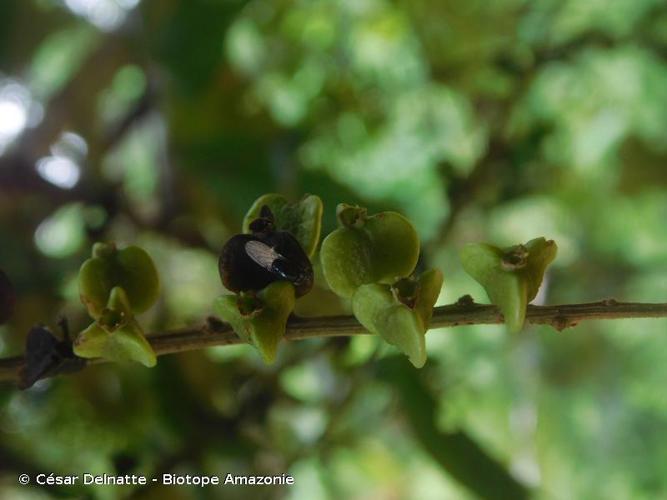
[{"x": 303, "y": 219}]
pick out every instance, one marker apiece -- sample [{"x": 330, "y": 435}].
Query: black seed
[
  {"x": 286, "y": 269},
  {"x": 295, "y": 262},
  {"x": 241, "y": 273}
]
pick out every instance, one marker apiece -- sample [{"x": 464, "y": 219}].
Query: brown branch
[{"x": 463, "y": 312}]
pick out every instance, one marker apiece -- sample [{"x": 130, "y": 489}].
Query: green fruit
[
  {"x": 510, "y": 276},
  {"x": 115, "y": 335},
  {"x": 130, "y": 268},
  {"x": 347, "y": 260},
  {"x": 302, "y": 219},
  {"x": 401, "y": 313},
  {"x": 368, "y": 249},
  {"x": 259, "y": 319}
]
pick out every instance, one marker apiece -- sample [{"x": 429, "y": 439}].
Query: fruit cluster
[{"x": 369, "y": 260}]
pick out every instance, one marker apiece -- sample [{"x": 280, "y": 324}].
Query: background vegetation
[{"x": 159, "y": 122}]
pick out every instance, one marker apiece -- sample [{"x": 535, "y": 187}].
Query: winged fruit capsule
[
  {"x": 367, "y": 249},
  {"x": 130, "y": 268}
]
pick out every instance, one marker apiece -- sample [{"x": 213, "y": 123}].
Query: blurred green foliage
[{"x": 159, "y": 122}]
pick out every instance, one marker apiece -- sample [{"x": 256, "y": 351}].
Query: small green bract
[
  {"x": 510, "y": 276},
  {"x": 115, "y": 335},
  {"x": 401, "y": 313},
  {"x": 259, "y": 319}
]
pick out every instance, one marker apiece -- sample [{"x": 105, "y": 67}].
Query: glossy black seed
[
  {"x": 46, "y": 355},
  {"x": 7, "y": 298},
  {"x": 282, "y": 258},
  {"x": 295, "y": 265},
  {"x": 239, "y": 273},
  {"x": 286, "y": 269}
]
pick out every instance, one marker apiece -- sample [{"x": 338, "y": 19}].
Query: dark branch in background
[
  {"x": 17, "y": 168},
  {"x": 463, "y": 312},
  {"x": 455, "y": 451}
]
